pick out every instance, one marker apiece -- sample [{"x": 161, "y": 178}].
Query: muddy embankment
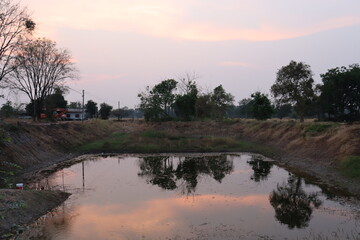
[
  {"x": 312, "y": 149},
  {"x": 309, "y": 146}
]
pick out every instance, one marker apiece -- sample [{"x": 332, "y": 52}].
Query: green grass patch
[
  {"x": 153, "y": 134},
  {"x": 152, "y": 141},
  {"x": 318, "y": 128},
  {"x": 351, "y": 166}
]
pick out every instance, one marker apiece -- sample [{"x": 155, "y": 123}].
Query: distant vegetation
[
  {"x": 294, "y": 92},
  {"x": 39, "y": 69}
]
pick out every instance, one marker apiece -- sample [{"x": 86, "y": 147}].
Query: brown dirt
[{"x": 18, "y": 207}]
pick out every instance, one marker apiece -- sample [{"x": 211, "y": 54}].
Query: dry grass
[{"x": 32, "y": 143}]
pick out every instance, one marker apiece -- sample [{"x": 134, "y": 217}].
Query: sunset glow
[
  {"x": 158, "y": 217},
  {"x": 140, "y": 43}
]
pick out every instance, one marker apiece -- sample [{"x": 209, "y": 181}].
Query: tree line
[
  {"x": 38, "y": 68},
  {"x": 57, "y": 101},
  {"x": 294, "y": 94}
]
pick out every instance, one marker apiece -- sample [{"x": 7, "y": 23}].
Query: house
[{"x": 75, "y": 114}]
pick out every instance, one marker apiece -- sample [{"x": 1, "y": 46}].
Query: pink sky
[{"x": 121, "y": 46}]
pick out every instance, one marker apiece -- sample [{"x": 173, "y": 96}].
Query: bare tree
[
  {"x": 15, "y": 25},
  {"x": 39, "y": 68},
  {"x": 187, "y": 82}
]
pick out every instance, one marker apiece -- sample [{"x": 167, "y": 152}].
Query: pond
[{"x": 221, "y": 196}]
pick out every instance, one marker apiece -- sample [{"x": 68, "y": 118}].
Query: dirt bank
[
  {"x": 21, "y": 207},
  {"x": 316, "y": 148},
  {"x": 312, "y": 149}
]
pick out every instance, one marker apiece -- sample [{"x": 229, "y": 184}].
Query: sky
[{"x": 122, "y": 46}]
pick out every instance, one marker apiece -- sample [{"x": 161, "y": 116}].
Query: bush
[
  {"x": 317, "y": 128},
  {"x": 351, "y": 166}
]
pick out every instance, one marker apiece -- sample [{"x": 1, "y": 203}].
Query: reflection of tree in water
[
  {"x": 293, "y": 206},
  {"x": 260, "y": 167},
  {"x": 161, "y": 171}
]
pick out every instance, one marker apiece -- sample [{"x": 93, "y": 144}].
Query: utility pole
[
  {"x": 118, "y": 110},
  {"x": 83, "y": 110}
]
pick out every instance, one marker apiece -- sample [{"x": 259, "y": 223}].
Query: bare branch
[
  {"x": 39, "y": 68},
  {"x": 15, "y": 26}
]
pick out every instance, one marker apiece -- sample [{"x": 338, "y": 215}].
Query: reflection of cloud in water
[{"x": 159, "y": 217}]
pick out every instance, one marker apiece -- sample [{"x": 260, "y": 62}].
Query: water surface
[{"x": 238, "y": 196}]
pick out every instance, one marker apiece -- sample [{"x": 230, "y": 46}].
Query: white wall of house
[{"x": 75, "y": 114}]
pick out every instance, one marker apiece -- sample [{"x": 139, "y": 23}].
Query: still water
[{"x": 239, "y": 196}]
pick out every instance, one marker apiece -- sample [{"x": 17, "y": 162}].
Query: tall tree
[
  {"x": 340, "y": 93},
  {"x": 204, "y": 106},
  {"x": 91, "y": 108},
  {"x": 105, "y": 110},
  {"x": 185, "y": 103},
  {"x": 7, "y": 110},
  {"x": 15, "y": 26},
  {"x": 283, "y": 110},
  {"x": 158, "y": 101},
  {"x": 294, "y": 85},
  {"x": 261, "y": 107},
  {"x": 57, "y": 99},
  {"x": 38, "y": 69},
  {"x": 53, "y": 101},
  {"x": 221, "y": 101},
  {"x": 244, "y": 108},
  {"x": 164, "y": 91}
]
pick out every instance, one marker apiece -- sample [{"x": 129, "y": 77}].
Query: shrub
[{"x": 351, "y": 166}]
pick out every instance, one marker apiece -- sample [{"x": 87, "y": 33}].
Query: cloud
[{"x": 188, "y": 20}]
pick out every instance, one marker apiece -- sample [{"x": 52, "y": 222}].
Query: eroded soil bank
[
  {"x": 311, "y": 149},
  {"x": 21, "y": 207}
]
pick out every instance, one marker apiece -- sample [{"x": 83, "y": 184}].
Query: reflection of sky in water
[{"x": 115, "y": 203}]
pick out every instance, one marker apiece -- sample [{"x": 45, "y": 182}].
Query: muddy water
[{"x": 191, "y": 197}]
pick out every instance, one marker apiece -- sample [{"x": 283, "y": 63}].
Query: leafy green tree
[
  {"x": 215, "y": 104},
  {"x": 244, "y": 108},
  {"x": 76, "y": 105},
  {"x": 164, "y": 92},
  {"x": 294, "y": 85},
  {"x": 105, "y": 110},
  {"x": 221, "y": 100},
  {"x": 158, "y": 102},
  {"x": 340, "y": 93},
  {"x": 283, "y": 110},
  {"x": 185, "y": 104},
  {"x": 7, "y": 110},
  {"x": 91, "y": 108},
  {"x": 261, "y": 107},
  {"x": 53, "y": 101},
  {"x": 204, "y": 106},
  {"x": 57, "y": 100}
]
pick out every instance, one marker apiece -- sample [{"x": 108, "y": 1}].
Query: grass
[
  {"x": 351, "y": 166},
  {"x": 318, "y": 128},
  {"x": 153, "y": 141}
]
